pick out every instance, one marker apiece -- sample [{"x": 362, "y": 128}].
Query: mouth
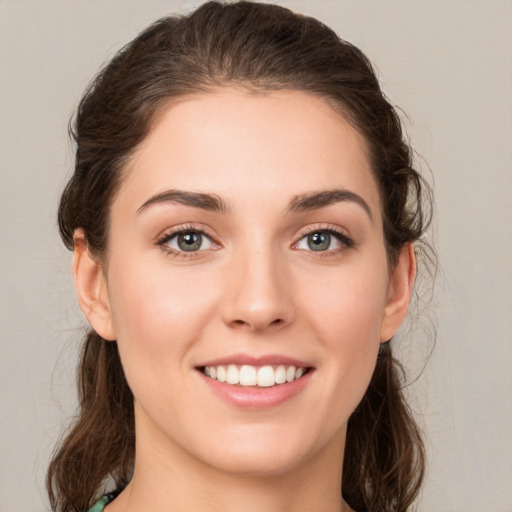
[
  {"x": 256, "y": 383},
  {"x": 246, "y": 375}
]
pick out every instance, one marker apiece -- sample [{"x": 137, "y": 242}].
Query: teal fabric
[{"x": 102, "y": 503}]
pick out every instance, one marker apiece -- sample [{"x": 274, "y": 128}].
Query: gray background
[{"x": 446, "y": 63}]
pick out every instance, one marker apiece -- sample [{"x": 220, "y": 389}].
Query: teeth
[
  {"x": 266, "y": 377},
  {"x": 246, "y": 375},
  {"x": 280, "y": 375},
  {"x": 221, "y": 373},
  {"x": 233, "y": 375}
]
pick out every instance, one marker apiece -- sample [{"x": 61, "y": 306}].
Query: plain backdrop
[{"x": 447, "y": 64}]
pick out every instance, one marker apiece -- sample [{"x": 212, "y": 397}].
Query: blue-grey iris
[
  {"x": 319, "y": 241},
  {"x": 190, "y": 241}
]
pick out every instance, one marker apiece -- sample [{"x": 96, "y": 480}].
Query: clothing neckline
[{"x": 100, "y": 505}]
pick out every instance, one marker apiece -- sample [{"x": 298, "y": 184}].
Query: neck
[{"x": 170, "y": 479}]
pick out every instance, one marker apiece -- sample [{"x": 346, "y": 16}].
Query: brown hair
[{"x": 261, "y": 47}]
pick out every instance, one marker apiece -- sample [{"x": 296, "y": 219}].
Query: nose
[{"x": 258, "y": 293}]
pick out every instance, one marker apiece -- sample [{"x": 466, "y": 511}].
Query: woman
[{"x": 242, "y": 216}]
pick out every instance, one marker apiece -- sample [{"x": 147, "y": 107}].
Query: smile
[{"x": 259, "y": 376}]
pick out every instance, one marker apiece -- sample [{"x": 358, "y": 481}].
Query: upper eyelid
[
  {"x": 163, "y": 240},
  {"x": 341, "y": 234},
  {"x": 169, "y": 233},
  {"x": 325, "y": 227}
]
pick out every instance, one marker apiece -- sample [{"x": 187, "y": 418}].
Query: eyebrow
[
  {"x": 299, "y": 203},
  {"x": 316, "y": 200},
  {"x": 210, "y": 202}
]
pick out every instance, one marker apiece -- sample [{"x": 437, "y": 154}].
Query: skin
[{"x": 256, "y": 288}]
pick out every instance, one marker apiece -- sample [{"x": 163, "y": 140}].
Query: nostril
[{"x": 257, "y": 325}]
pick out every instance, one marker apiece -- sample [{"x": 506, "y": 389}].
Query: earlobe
[
  {"x": 401, "y": 284},
  {"x": 91, "y": 287}
]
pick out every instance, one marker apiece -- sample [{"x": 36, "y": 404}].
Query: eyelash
[
  {"x": 340, "y": 236},
  {"x": 169, "y": 235}
]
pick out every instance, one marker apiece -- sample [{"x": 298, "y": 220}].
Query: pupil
[
  {"x": 189, "y": 241},
  {"x": 319, "y": 241}
]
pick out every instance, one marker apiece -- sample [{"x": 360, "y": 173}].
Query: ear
[
  {"x": 401, "y": 284},
  {"x": 91, "y": 287}
]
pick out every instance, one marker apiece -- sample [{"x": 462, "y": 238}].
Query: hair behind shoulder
[{"x": 260, "y": 47}]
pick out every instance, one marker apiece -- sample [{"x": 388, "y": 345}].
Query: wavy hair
[{"x": 261, "y": 47}]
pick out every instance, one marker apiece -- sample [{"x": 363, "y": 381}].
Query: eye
[
  {"x": 322, "y": 240},
  {"x": 186, "y": 240},
  {"x": 318, "y": 241}
]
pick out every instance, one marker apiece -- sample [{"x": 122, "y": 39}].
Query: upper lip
[{"x": 264, "y": 360}]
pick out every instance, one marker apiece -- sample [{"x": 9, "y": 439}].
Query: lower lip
[{"x": 257, "y": 397}]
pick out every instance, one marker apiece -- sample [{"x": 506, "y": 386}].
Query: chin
[
  {"x": 257, "y": 465},
  {"x": 269, "y": 453}
]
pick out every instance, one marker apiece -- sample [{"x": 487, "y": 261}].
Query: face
[{"x": 246, "y": 245}]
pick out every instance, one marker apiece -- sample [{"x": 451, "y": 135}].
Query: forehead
[{"x": 244, "y": 145}]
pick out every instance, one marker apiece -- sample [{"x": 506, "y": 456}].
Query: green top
[{"x": 102, "y": 503}]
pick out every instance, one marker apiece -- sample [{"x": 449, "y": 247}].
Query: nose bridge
[{"x": 257, "y": 295}]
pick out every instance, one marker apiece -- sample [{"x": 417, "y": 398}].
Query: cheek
[
  {"x": 348, "y": 304},
  {"x": 157, "y": 314},
  {"x": 346, "y": 317}
]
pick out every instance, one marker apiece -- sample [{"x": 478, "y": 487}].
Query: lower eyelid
[
  {"x": 205, "y": 241},
  {"x": 342, "y": 238},
  {"x": 170, "y": 237},
  {"x": 343, "y": 241}
]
